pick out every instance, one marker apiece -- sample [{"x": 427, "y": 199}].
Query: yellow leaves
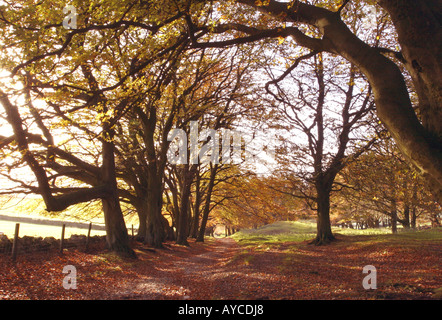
[
  {"x": 291, "y": 5},
  {"x": 263, "y": 3},
  {"x": 104, "y": 117},
  {"x": 281, "y": 40}
]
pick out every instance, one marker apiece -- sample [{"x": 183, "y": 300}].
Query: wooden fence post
[
  {"x": 62, "y": 238},
  {"x": 15, "y": 243}
]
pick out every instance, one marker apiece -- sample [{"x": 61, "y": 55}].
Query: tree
[
  {"x": 417, "y": 25},
  {"x": 222, "y": 95},
  {"x": 85, "y": 74},
  {"x": 331, "y": 129},
  {"x": 58, "y": 198}
]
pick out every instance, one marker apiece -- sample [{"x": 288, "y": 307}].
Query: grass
[
  {"x": 304, "y": 230},
  {"x": 281, "y": 231}
]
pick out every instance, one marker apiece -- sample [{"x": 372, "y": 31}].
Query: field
[
  {"x": 36, "y": 222},
  {"x": 36, "y": 230}
]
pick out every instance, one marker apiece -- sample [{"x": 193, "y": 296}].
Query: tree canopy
[{"x": 93, "y": 92}]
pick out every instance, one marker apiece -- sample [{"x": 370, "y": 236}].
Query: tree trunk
[
  {"x": 141, "y": 209},
  {"x": 155, "y": 231},
  {"x": 206, "y": 209},
  {"x": 196, "y": 211},
  {"x": 418, "y": 26},
  {"x": 406, "y": 221},
  {"x": 393, "y": 216},
  {"x": 183, "y": 221},
  {"x": 324, "y": 233},
  {"x": 413, "y": 217},
  {"x": 116, "y": 231}
]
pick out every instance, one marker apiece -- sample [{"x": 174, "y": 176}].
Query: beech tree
[
  {"x": 90, "y": 76},
  {"x": 415, "y": 128},
  {"x": 325, "y": 119},
  {"x": 57, "y": 198}
]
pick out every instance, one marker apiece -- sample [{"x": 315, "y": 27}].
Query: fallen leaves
[{"x": 222, "y": 269}]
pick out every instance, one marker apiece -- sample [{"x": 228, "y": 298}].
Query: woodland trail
[
  {"x": 223, "y": 269},
  {"x": 218, "y": 270},
  {"x": 196, "y": 272}
]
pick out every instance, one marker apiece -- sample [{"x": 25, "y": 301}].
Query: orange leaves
[{"x": 262, "y": 3}]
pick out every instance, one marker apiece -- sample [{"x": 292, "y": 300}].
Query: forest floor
[{"x": 408, "y": 267}]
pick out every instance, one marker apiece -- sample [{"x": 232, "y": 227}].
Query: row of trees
[
  {"x": 91, "y": 109},
  {"x": 92, "y": 120}
]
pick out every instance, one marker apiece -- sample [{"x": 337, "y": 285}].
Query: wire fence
[{"x": 30, "y": 244}]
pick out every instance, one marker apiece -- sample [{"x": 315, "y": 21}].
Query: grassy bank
[{"x": 303, "y": 230}]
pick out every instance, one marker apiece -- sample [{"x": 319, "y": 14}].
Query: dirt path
[
  {"x": 220, "y": 269},
  {"x": 182, "y": 272}
]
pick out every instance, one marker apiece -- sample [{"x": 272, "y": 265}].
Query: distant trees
[
  {"x": 380, "y": 186},
  {"x": 258, "y": 200}
]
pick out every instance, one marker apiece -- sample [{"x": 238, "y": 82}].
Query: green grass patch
[
  {"x": 281, "y": 231},
  {"x": 303, "y": 230}
]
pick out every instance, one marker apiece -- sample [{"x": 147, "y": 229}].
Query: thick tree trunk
[
  {"x": 183, "y": 221},
  {"x": 418, "y": 25},
  {"x": 393, "y": 216},
  {"x": 324, "y": 233},
  {"x": 413, "y": 217},
  {"x": 116, "y": 231},
  {"x": 406, "y": 221},
  {"x": 155, "y": 231}
]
